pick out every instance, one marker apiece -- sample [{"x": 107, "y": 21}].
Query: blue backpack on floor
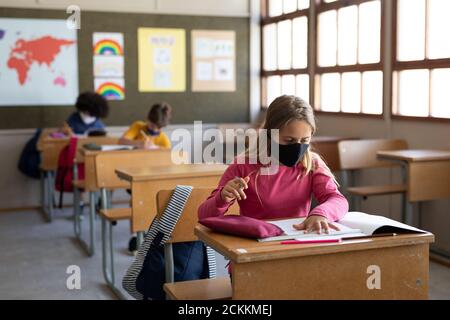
[
  {"x": 192, "y": 260},
  {"x": 30, "y": 158}
]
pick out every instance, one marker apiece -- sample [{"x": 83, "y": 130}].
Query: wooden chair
[
  {"x": 105, "y": 165},
  {"x": 362, "y": 154},
  {"x": 79, "y": 188},
  {"x": 205, "y": 289}
]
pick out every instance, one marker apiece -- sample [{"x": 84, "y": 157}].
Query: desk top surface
[
  {"x": 171, "y": 171},
  {"x": 325, "y": 139},
  {"x": 415, "y": 155},
  {"x": 243, "y": 250},
  {"x": 90, "y": 152}
]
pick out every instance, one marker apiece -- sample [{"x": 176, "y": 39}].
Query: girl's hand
[
  {"x": 234, "y": 189},
  {"x": 66, "y": 130},
  {"x": 147, "y": 144},
  {"x": 316, "y": 224}
]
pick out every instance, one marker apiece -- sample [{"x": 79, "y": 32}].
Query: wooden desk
[
  {"x": 107, "y": 162},
  {"x": 325, "y": 271},
  {"x": 327, "y": 148},
  {"x": 146, "y": 182},
  {"x": 425, "y": 172},
  {"x": 49, "y": 149}
]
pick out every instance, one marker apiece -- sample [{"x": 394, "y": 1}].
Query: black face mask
[
  {"x": 290, "y": 154},
  {"x": 153, "y": 132}
]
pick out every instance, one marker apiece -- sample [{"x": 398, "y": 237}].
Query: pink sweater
[{"x": 283, "y": 195}]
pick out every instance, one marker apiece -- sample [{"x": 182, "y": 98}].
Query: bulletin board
[
  {"x": 162, "y": 59},
  {"x": 210, "y": 107},
  {"x": 213, "y": 60}
]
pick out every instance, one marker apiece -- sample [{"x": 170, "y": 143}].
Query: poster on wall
[
  {"x": 162, "y": 60},
  {"x": 38, "y": 62},
  {"x": 108, "y": 52},
  {"x": 110, "y": 88},
  {"x": 213, "y": 60}
]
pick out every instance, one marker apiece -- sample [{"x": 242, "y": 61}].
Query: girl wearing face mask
[
  {"x": 286, "y": 192},
  {"x": 91, "y": 107},
  {"x": 148, "y": 134}
]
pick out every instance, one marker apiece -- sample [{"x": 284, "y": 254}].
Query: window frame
[
  {"x": 321, "y": 7},
  {"x": 266, "y": 20},
  {"x": 425, "y": 64},
  {"x": 313, "y": 69}
]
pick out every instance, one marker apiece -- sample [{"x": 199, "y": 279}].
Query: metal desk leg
[
  {"x": 169, "y": 265},
  {"x": 407, "y": 207},
  {"x": 48, "y": 184},
  {"x": 108, "y": 252},
  {"x": 140, "y": 238},
  {"x": 43, "y": 190},
  {"x": 89, "y": 248}
]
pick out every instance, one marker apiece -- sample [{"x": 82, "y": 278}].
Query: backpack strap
[
  {"x": 157, "y": 234},
  {"x": 171, "y": 214}
]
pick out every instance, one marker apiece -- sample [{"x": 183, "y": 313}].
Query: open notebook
[
  {"x": 107, "y": 147},
  {"x": 354, "y": 224}
]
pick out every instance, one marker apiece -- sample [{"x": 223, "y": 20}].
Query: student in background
[
  {"x": 148, "y": 134},
  {"x": 91, "y": 107},
  {"x": 286, "y": 193}
]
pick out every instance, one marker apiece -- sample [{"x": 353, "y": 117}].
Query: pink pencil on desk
[{"x": 311, "y": 241}]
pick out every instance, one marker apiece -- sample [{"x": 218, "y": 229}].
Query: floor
[{"x": 35, "y": 255}]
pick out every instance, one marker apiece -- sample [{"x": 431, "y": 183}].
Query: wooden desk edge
[
  {"x": 122, "y": 174},
  {"x": 261, "y": 253},
  {"x": 390, "y": 157}
]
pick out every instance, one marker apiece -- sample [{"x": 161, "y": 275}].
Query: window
[
  {"x": 285, "y": 67},
  {"x": 421, "y": 59},
  {"x": 341, "y": 69},
  {"x": 348, "y": 72}
]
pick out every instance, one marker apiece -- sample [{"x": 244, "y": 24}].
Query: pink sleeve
[
  {"x": 332, "y": 204},
  {"x": 214, "y": 205}
]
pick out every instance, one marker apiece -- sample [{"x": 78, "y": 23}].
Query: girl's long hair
[{"x": 280, "y": 113}]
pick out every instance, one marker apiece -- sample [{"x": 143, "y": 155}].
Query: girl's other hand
[
  {"x": 315, "y": 223},
  {"x": 234, "y": 189}
]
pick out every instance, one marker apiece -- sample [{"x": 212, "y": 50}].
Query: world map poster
[{"x": 38, "y": 62}]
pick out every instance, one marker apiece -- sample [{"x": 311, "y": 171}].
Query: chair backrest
[
  {"x": 362, "y": 154},
  {"x": 184, "y": 230},
  {"x": 108, "y": 161},
  {"x": 94, "y": 140}
]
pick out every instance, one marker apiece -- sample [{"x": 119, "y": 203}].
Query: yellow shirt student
[
  {"x": 137, "y": 130},
  {"x": 147, "y": 134}
]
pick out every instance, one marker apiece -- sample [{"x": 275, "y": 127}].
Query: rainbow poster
[
  {"x": 110, "y": 88},
  {"x": 108, "y": 43},
  {"x": 108, "y": 64}
]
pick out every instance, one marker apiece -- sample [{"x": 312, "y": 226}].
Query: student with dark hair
[
  {"x": 91, "y": 107},
  {"x": 148, "y": 134}
]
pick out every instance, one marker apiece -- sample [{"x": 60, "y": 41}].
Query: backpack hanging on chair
[
  {"x": 192, "y": 260},
  {"x": 30, "y": 158},
  {"x": 64, "y": 173}
]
